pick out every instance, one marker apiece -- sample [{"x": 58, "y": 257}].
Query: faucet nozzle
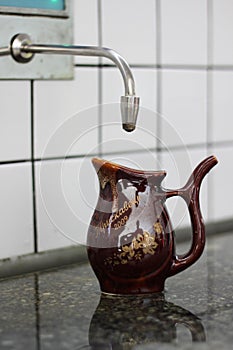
[{"x": 129, "y": 112}]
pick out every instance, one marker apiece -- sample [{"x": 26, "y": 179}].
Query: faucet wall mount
[{"x": 23, "y": 50}]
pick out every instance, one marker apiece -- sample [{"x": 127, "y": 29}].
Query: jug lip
[{"x": 100, "y": 162}]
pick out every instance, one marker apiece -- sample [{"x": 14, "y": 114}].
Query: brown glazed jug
[{"x": 130, "y": 240}]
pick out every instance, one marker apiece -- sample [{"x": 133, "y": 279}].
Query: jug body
[{"x": 130, "y": 239}]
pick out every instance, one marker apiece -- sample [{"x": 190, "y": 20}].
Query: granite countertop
[{"x": 63, "y": 309}]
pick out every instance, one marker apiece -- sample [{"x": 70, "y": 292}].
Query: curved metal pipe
[
  {"x": 23, "y": 50},
  {"x": 88, "y": 51},
  {"x": 5, "y": 51}
]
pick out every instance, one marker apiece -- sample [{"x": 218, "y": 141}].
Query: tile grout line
[
  {"x": 100, "y": 78},
  {"x": 160, "y": 66},
  {"x": 209, "y": 101},
  {"x": 33, "y": 168},
  {"x": 209, "y": 134},
  {"x": 159, "y": 79},
  {"x": 209, "y": 71},
  {"x": 219, "y": 144}
]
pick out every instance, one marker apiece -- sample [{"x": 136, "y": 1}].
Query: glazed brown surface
[{"x": 130, "y": 239}]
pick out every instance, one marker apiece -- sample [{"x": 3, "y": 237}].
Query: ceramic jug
[{"x": 130, "y": 240}]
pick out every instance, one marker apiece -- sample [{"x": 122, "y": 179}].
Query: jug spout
[
  {"x": 190, "y": 193},
  {"x": 99, "y": 162}
]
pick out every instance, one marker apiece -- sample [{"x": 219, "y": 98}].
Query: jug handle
[{"x": 190, "y": 193}]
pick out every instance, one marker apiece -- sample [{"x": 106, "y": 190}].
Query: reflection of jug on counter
[
  {"x": 123, "y": 322},
  {"x": 130, "y": 240}
]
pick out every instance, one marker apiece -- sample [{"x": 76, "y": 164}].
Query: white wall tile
[
  {"x": 179, "y": 165},
  {"x": 129, "y": 28},
  {"x": 115, "y": 139},
  {"x": 141, "y": 160},
  {"x": 85, "y": 27},
  {"x": 222, "y": 185},
  {"x": 183, "y": 107},
  {"x": 15, "y": 129},
  {"x": 222, "y": 106},
  {"x": 222, "y": 31},
  {"x": 184, "y": 31},
  {"x": 16, "y": 224},
  {"x": 67, "y": 193},
  {"x": 65, "y": 110}
]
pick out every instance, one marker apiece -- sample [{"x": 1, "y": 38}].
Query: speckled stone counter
[{"x": 63, "y": 309}]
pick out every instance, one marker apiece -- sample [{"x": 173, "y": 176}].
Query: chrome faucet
[{"x": 23, "y": 50}]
